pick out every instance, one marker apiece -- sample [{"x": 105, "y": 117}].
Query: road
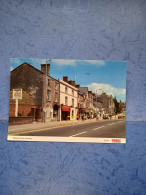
[{"x": 100, "y": 129}]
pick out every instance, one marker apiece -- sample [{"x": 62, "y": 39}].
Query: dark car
[{"x": 105, "y": 117}]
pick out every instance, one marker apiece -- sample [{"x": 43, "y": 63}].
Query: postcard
[{"x": 66, "y": 100}]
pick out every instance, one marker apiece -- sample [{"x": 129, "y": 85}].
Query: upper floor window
[
  {"x": 66, "y": 90},
  {"x": 48, "y": 95},
  {"x": 66, "y": 101},
  {"x": 73, "y": 102},
  {"x": 72, "y": 92},
  {"x": 56, "y": 97},
  {"x": 49, "y": 83},
  {"x": 88, "y": 104},
  {"x": 56, "y": 86}
]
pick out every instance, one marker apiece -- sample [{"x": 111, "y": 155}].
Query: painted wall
[
  {"x": 69, "y": 94},
  {"x": 79, "y": 29}
]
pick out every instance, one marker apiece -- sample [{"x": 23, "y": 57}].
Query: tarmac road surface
[{"x": 104, "y": 128}]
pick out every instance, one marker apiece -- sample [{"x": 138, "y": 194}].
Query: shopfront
[{"x": 65, "y": 113}]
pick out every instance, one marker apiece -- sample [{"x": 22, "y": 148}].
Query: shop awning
[
  {"x": 65, "y": 108},
  {"x": 91, "y": 110}
]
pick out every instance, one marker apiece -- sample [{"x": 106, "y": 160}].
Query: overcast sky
[{"x": 109, "y": 76}]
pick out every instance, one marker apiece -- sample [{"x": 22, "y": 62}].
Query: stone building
[
  {"x": 97, "y": 102},
  {"x": 122, "y": 106},
  {"x": 107, "y": 103},
  {"x": 52, "y": 95},
  {"x": 88, "y": 109},
  {"x": 68, "y": 99},
  {"x": 32, "y": 83}
]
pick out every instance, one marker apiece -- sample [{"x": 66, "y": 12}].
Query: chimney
[
  {"x": 77, "y": 86},
  {"x": 65, "y": 78},
  {"x": 73, "y": 83},
  {"x": 43, "y": 69}
]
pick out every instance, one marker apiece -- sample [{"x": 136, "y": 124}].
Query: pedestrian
[{"x": 82, "y": 117}]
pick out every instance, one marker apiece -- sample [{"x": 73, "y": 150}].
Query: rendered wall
[{"x": 75, "y": 29}]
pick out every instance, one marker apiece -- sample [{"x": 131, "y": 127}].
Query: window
[
  {"x": 56, "y": 86},
  {"x": 66, "y": 90},
  {"x": 56, "y": 97},
  {"x": 72, "y": 113},
  {"x": 73, "y": 102},
  {"x": 66, "y": 101},
  {"x": 88, "y": 104},
  {"x": 72, "y": 92},
  {"x": 48, "y": 95},
  {"x": 49, "y": 83}
]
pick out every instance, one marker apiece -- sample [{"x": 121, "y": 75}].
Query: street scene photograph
[{"x": 67, "y": 100}]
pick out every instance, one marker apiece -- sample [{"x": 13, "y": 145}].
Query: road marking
[
  {"x": 112, "y": 124},
  {"x": 48, "y": 128},
  {"x": 98, "y": 128},
  {"x": 78, "y": 134}
]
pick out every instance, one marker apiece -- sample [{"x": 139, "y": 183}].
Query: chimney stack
[
  {"x": 43, "y": 69},
  {"x": 65, "y": 78},
  {"x": 77, "y": 86}
]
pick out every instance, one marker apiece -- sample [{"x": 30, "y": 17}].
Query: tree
[{"x": 117, "y": 106}]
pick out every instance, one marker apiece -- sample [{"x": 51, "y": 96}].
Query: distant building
[
  {"x": 107, "y": 103},
  {"x": 68, "y": 99},
  {"x": 88, "y": 101},
  {"x": 97, "y": 102},
  {"x": 122, "y": 106}
]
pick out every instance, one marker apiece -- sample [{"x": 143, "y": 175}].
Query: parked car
[
  {"x": 105, "y": 117},
  {"x": 120, "y": 117}
]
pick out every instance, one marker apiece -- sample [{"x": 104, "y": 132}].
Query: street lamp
[
  {"x": 96, "y": 101},
  {"x": 46, "y": 89}
]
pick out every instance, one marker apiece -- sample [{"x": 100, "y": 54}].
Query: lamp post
[
  {"x": 96, "y": 101},
  {"x": 46, "y": 90}
]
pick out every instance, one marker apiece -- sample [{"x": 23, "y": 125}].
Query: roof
[
  {"x": 25, "y": 63},
  {"x": 83, "y": 90},
  {"x": 67, "y": 84},
  {"x": 122, "y": 103}
]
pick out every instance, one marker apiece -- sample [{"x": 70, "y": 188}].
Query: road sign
[{"x": 17, "y": 94}]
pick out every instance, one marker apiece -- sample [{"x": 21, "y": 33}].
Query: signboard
[{"x": 17, "y": 93}]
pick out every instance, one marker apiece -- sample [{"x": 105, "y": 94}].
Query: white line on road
[
  {"x": 98, "y": 128},
  {"x": 78, "y": 134},
  {"x": 112, "y": 124}
]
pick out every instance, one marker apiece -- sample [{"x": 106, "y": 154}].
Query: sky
[{"x": 97, "y": 75}]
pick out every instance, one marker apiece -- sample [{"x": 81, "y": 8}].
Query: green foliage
[{"x": 117, "y": 106}]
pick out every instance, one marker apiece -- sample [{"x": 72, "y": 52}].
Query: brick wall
[
  {"x": 20, "y": 120},
  {"x": 23, "y": 110}
]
